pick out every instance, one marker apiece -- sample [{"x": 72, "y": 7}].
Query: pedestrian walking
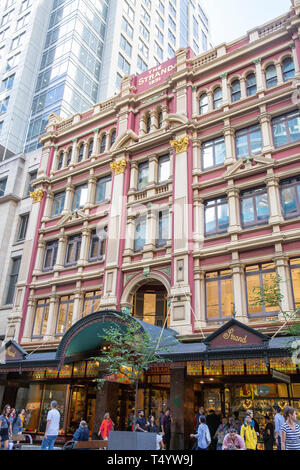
[
  {"x": 140, "y": 424},
  {"x": 268, "y": 434},
  {"x": 279, "y": 422},
  {"x": 151, "y": 424},
  {"x": 106, "y": 426},
  {"x": 221, "y": 432},
  {"x": 248, "y": 433},
  {"x": 82, "y": 432},
  {"x": 5, "y": 426},
  {"x": 235, "y": 422},
  {"x": 254, "y": 422},
  {"x": 290, "y": 430},
  {"x": 161, "y": 416},
  {"x": 203, "y": 435},
  {"x": 213, "y": 422},
  {"x": 18, "y": 422},
  {"x": 232, "y": 441},
  {"x": 52, "y": 427},
  {"x": 166, "y": 428}
]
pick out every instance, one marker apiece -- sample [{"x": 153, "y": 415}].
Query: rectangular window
[
  {"x": 259, "y": 275},
  {"x": 118, "y": 81},
  {"x": 128, "y": 10},
  {"x": 22, "y": 21},
  {"x": 91, "y": 302},
  {"x": 123, "y": 64},
  {"x": 103, "y": 189},
  {"x": 172, "y": 23},
  {"x": 143, "y": 174},
  {"x": 25, "y": 4},
  {"x": 216, "y": 216},
  {"x": 3, "y": 186},
  {"x": 143, "y": 48},
  {"x": 17, "y": 41},
  {"x": 204, "y": 41},
  {"x": 158, "y": 50},
  {"x": 213, "y": 153},
  {"x": 64, "y": 314},
  {"x": 162, "y": 228},
  {"x": 22, "y": 227},
  {"x": 163, "y": 168},
  {"x": 80, "y": 197},
  {"x": 254, "y": 207},
  {"x": 159, "y": 35},
  {"x": 144, "y": 31},
  {"x": 97, "y": 245},
  {"x": 50, "y": 255},
  {"x": 4, "y": 105},
  {"x": 219, "y": 295},
  {"x": 127, "y": 27},
  {"x": 13, "y": 61},
  {"x": 58, "y": 204},
  {"x": 161, "y": 7},
  {"x": 125, "y": 45},
  {"x": 290, "y": 197},
  {"x": 248, "y": 141},
  {"x": 172, "y": 10},
  {"x": 141, "y": 64},
  {"x": 73, "y": 250},
  {"x": 160, "y": 21},
  {"x": 286, "y": 128},
  {"x": 7, "y": 18},
  {"x": 171, "y": 37},
  {"x": 41, "y": 317},
  {"x": 7, "y": 84},
  {"x": 32, "y": 176},
  {"x": 145, "y": 16},
  {"x": 13, "y": 279},
  {"x": 3, "y": 34},
  {"x": 295, "y": 276},
  {"x": 140, "y": 233}
]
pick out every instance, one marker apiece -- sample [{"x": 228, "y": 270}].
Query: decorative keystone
[
  {"x": 180, "y": 145},
  {"x": 37, "y": 195},
  {"x": 119, "y": 166}
]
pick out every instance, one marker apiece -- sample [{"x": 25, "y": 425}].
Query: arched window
[
  {"x": 159, "y": 120},
  {"x": 251, "y": 84},
  {"x": 103, "y": 144},
  {"x": 288, "y": 69},
  {"x": 271, "y": 76},
  {"x": 148, "y": 124},
  {"x": 113, "y": 137},
  {"x": 60, "y": 161},
  {"x": 235, "y": 91},
  {"x": 90, "y": 149},
  {"x": 203, "y": 104},
  {"x": 69, "y": 157},
  {"x": 217, "y": 98},
  {"x": 80, "y": 153}
]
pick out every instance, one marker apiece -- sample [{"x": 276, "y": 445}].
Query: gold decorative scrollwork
[
  {"x": 119, "y": 166},
  {"x": 180, "y": 145},
  {"x": 37, "y": 195}
]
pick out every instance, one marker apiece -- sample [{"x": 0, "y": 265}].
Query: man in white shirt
[
  {"x": 52, "y": 427},
  {"x": 279, "y": 421}
]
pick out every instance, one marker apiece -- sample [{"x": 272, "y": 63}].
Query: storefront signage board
[
  {"x": 154, "y": 76},
  {"x": 281, "y": 376}
]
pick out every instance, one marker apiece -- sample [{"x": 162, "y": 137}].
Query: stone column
[
  {"x": 165, "y": 114},
  {"x": 265, "y": 123},
  {"x": 199, "y": 277},
  {"x": 48, "y": 206},
  {"x": 259, "y": 75},
  {"x": 197, "y": 161},
  {"x": 95, "y": 144},
  {"x": 279, "y": 73},
  {"x": 153, "y": 167},
  {"x": 69, "y": 198},
  {"x": 225, "y": 89},
  {"x": 229, "y": 143},
  {"x": 134, "y": 168},
  {"x": 150, "y": 234},
  {"x": 210, "y": 101},
  {"x": 243, "y": 88},
  {"x": 198, "y": 223},
  {"x": 78, "y": 298},
  {"x": 54, "y": 161},
  {"x": 39, "y": 256},
  {"x": 74, "y": 153},
  {"x": 194, "y": 102},
  {"x": 85, "y": 242},
  {"x": 52, "y": 316},
  {"x": 92, "y": 183},
  {"x": 129, "y": 242},
  {"x": 182, "y": 407},
  {"x": 240, "y": 306},
  {"x": 153, "y": 117},
  {"x": 296, "y": 55},
  {"x": 274, "y": 199},
  {"x": 29, "y": 318},
  {"x": 61, "y": 251},
  {"x": 142, "y": 127},
  {"x": 234, "y": 209}
]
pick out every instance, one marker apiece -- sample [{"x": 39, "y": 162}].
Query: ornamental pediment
[
  {"x": 125, "y": 140},
  {"x": 250, "y": 164},
  {"x": 71, "y": 217}
]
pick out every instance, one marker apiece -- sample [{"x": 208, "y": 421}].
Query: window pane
[
  {"x": 164, "y": 170},
  {"x": 247, "y": 210},
  {"x": 220, "y": 153},
  {"x": 143, "y": 176},
  {"x": 69, "y": 316},
  {"x": 294, "y": 128},
  {"x": 38, "y": 320},
  {"x": 140, "y": 234},
  {"x": 252, "y": 282},
  {"x": 280, "y": 134},
  {"x": 226, "y": 297},
  {"x": 255, "y": 142},
  {"x": 262, "y": 207},
  {"x": 61, "y": 318},
  {"x": 45, "y": 321},
  {"x": 296, "y": 285},
  {"x": 289, "y": 202},
  {"x": 223, "y": 216},
  {"x": 212, "y": 299},
  {"x": 242, "y": 146},
  {"x": 207, "y": 154},
  {"x": 210, "y": 219}
]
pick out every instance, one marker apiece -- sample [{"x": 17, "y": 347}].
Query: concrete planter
[{"x": 127, "y": 440}]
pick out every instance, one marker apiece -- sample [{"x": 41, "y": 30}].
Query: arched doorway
[{"x": 149, "y": 303}]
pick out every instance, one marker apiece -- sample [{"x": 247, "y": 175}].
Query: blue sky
[{"x": 231, "y": 19}]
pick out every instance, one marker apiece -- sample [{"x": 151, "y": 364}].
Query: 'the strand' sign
[{"x": 155, "y": 75}]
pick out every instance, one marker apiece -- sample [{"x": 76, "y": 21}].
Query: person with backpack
[
  {"x": 17, "y": 423},
  {"x": 5, "y": 426},
  {"x": 268, "y": 434},
  {"x": 203, "y": 435},
  {"x": 221, "y": 432},
  {"x": 248, "y": 433},
  {"x": 81, "y": 433}
]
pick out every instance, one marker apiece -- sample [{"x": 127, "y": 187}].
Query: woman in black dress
[{"x": 268, "y": 434}]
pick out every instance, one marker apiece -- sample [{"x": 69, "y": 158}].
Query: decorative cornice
[
  {"x": 37, "y": 195},
  {"x": 119, "y": 166},
  {"x": 180, "y": 145}
]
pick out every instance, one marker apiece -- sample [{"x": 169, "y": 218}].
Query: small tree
[
  {"x": 270, "y": 296},
  {"x": 129, "y": 350}
]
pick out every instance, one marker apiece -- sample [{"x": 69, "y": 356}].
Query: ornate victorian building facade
[{"x": 171, "y": 201}]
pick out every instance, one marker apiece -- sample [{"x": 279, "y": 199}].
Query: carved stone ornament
[
  {"x": 37, "y": 195},
  {"x": 119, "y": 166},
  {"x": 180, "y": 145}
]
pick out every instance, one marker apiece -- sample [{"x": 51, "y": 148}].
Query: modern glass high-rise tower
[{"x": 81, "y": 49}]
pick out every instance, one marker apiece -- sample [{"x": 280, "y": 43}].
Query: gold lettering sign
[
  {"x": 180, "y": 145},
  {"x": 229, "y": 335},
  {"x": 10, "y": 353}
]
